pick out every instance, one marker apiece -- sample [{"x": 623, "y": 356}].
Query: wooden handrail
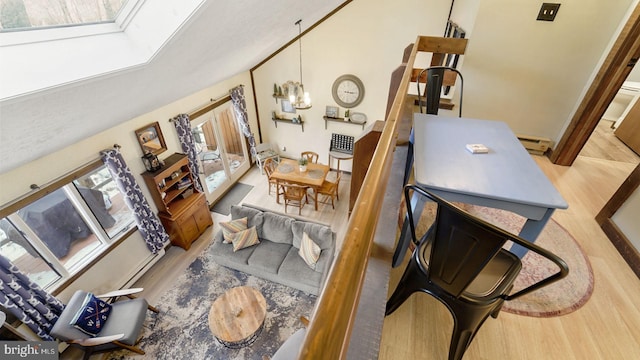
[{"x": 329, "y": 333}]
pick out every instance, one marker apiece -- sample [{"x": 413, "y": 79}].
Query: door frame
[
  {"x": 614, "y": 71},
  {"x": 604, "y": 218}
]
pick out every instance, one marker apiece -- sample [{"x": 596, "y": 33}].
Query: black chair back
[
  {"x": 435, "y": 76},
  {"x": 465, "y": 229},
  {"x": 460, "y": 261},
  {"x": 433, "y": 91},
  {"x": 461, "y": 248}
]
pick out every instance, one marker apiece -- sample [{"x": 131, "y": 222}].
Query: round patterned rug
[
  {"x": 181, "y": 329},
  {"x": 560, "y": 298}
]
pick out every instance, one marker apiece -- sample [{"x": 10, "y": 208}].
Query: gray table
[{"x": 505, "y": 178}]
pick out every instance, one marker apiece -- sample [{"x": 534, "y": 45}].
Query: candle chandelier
[{"x": 299, "y": 98}]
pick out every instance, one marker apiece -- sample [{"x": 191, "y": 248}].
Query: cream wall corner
[
  {"x": 529, "y": 73},
  {"x": 366, "y": 39}
]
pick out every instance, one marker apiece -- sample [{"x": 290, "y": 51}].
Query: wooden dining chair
[
  {"x": 294, "y": 195},
  {"x": 329, "y": 191},
  {"x": 270, "y": 166},
  {"x": 311, "y": 156}
]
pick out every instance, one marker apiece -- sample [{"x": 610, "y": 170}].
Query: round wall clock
[{"x": 348, "y": 91}]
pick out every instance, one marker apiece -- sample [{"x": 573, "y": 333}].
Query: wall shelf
[
  {"x": 341, "y": 120},
  {"x": 282, "y": 97},
  {"x": 279, "y": 97},
  {"x": 276, "y": 120}
]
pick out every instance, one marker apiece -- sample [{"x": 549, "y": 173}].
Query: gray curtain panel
[
  {"x": 35, "y": 307},
  {"x": 153, "y": 233},
  {"x": 240, "y": 108},
  {"x": 188, "y": 143}
]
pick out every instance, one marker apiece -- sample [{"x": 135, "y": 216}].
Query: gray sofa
[{"x": 276, "y": 257}]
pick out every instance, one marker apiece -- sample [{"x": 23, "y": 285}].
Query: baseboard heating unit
[{"x": 534, "y": 144}]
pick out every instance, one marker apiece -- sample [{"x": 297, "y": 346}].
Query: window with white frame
[
  {"x": 30, "y": 14},
  {"x": 56, "y": 232}
]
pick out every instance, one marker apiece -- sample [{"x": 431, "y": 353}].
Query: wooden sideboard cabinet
[{"x": 183, "y": 210}]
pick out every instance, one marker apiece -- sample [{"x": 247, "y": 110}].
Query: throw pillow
[
  {"x": 309, "y": 251},
  {"x": 92, "y": 315},
  {"x": 231, "y": 227},
  {"x": 245, "y": 238}
]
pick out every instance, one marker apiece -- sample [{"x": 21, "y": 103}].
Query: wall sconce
[{"x": 151, "y": 162}]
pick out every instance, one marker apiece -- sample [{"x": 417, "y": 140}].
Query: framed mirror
[{"x": 151, "y": 139}]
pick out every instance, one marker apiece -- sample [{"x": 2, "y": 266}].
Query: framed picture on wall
[
  {"x": 332, "y": 112},
  {"x": 287, "y": 107}
]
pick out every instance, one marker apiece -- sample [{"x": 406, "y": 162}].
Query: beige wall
[
  {"x": 16, "y": 183},
  {"x": 366, "y": 39},
  {"x": 122, "y": 263},
  {"x": 529, "y": 73}
]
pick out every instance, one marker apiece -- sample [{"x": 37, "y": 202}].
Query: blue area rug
[{"x": 181, "y": 330}]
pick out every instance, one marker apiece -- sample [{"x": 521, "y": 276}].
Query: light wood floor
[{"x": 607, "y": 327}]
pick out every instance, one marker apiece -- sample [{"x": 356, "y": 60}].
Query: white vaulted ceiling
[{"x": 53, "y": 95}]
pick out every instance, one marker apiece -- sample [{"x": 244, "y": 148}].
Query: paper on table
[{"x": 477, "y": 148}]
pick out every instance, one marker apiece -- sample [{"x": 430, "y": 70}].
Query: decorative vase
[{"x": 303, "y": 168}]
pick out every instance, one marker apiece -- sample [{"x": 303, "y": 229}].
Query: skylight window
[
  {"x": 19, "y": 15},
  {"x": 69, "y": 53}
]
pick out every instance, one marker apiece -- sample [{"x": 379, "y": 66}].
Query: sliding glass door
[{"x": 222, "y": 149}]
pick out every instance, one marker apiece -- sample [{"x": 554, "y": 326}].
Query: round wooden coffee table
[{"x": 237, "y": 316}]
